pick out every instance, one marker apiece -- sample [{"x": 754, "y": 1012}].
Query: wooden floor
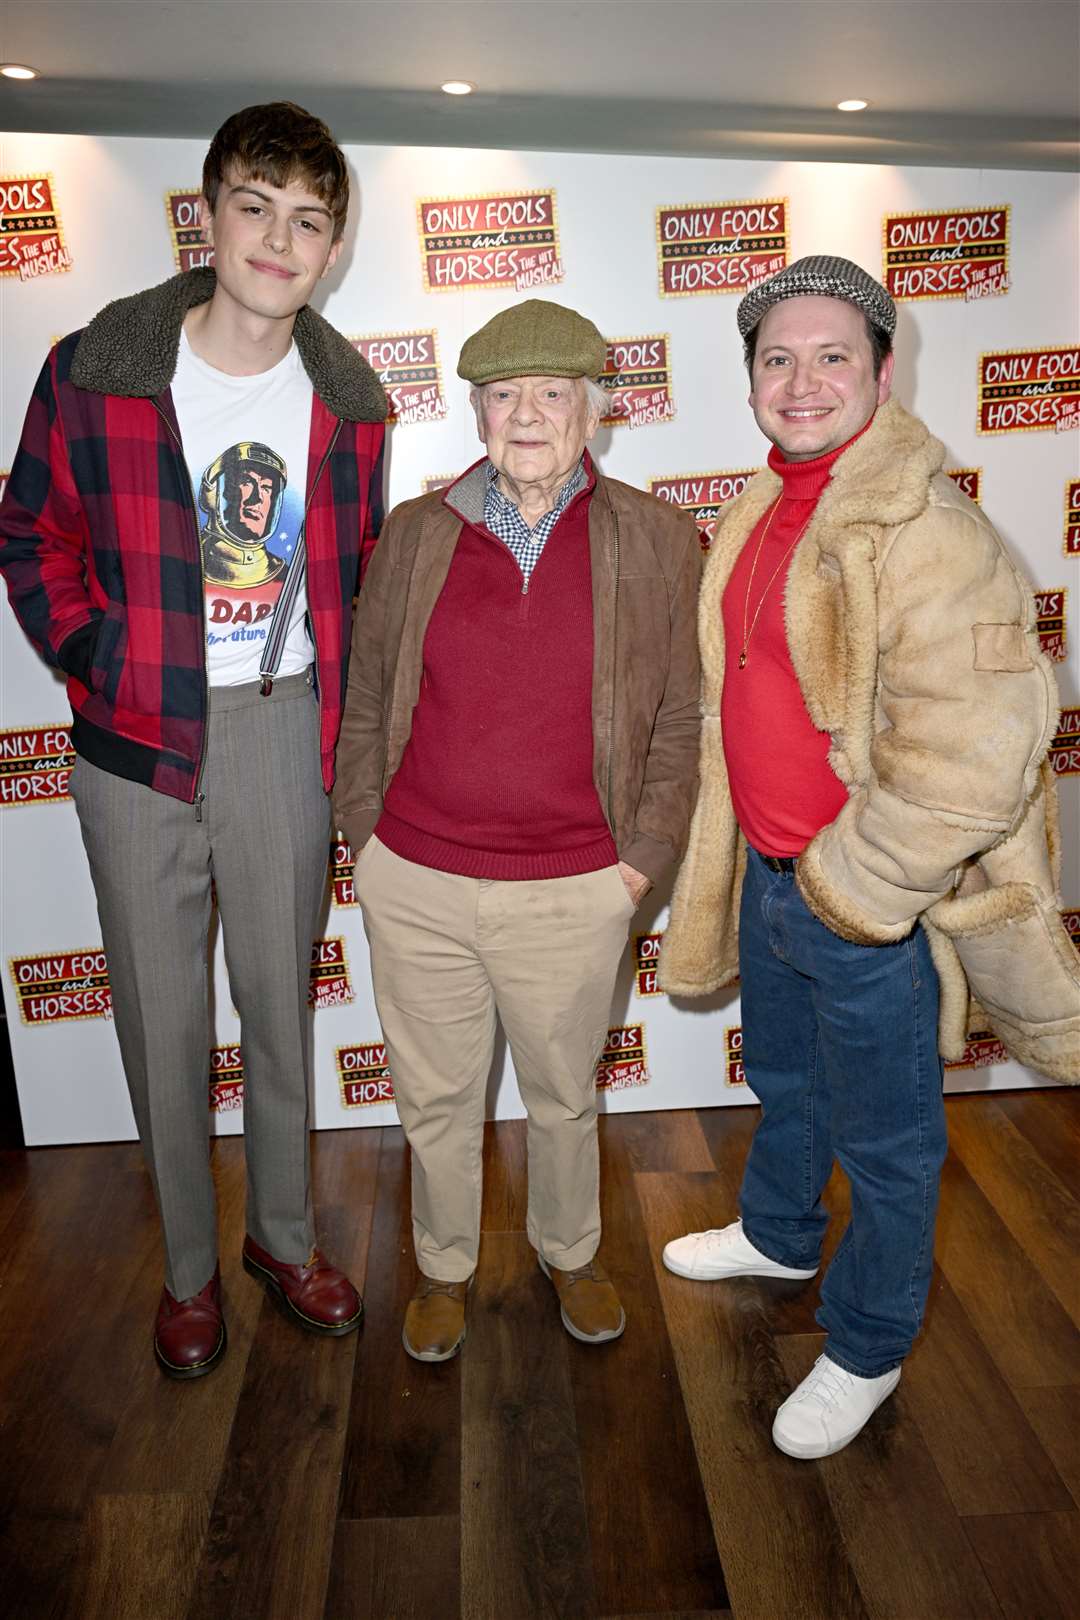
[{"x": 534, "y": 1476}]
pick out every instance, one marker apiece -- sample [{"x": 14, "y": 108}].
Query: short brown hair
[{"x": 279, "y": 142}]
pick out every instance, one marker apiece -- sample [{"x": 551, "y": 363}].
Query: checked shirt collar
[{"x": 505, "y": 521}]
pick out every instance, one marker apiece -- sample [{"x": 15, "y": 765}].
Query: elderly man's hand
[{"x": 637, "y": 884}]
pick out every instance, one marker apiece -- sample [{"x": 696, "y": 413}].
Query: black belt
[{"x": 778, "y": 863}]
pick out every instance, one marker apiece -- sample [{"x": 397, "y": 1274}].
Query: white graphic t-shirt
[{"x": 246, "y": 445}]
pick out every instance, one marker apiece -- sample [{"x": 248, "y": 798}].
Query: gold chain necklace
[{"x": 747, "y": 633}]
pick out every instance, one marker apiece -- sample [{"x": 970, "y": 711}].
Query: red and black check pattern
[{"x": 100, "y": 549}]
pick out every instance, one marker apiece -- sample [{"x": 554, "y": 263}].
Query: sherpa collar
[
  {"x": 131, "y": 349},
  {"x": 883, "y": 476},
  {"x": 881, "y": 479}
]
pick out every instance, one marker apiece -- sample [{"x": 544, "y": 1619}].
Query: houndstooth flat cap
[{"x": 822, "y": 276}]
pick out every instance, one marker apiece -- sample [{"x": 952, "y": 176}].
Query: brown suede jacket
[{"x": 646, "y": 564}]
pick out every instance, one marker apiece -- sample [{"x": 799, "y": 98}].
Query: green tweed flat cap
[{"x": 534, "y": 339}]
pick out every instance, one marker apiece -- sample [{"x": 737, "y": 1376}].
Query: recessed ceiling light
[
  {"x": 851, "y": 106},
  {"x": 15, "y": 70},
  {"x": 458, "y": 87}
]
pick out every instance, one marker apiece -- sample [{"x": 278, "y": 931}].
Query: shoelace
[
  {"x": 726, "y": 1233},
  {"x": 829, "y": 1383},
  {"x": 586, "y": 1273},
  {"x": 431, "y": 1285}
]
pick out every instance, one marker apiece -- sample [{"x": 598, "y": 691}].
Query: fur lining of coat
[
  {"x": 130, "y": 349},
  {"x": 913, "y": 638}
]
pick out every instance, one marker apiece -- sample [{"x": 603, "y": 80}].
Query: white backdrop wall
[{"x": 110, "y": 195}]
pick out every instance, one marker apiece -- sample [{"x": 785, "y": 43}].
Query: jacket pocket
[
  {"x": 1022, "y": 968},
  {"x": 107, "y": 663}
]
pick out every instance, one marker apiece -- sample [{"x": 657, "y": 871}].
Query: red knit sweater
[
  {"x": 496, "y": 779},
  {"x": 783, "y": 788}
]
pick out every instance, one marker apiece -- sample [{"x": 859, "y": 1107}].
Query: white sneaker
[
  {"x": 828, "y": 1409},
  {"x": 724, "y": 1252}
]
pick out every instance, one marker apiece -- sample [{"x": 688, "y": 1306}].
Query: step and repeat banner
[{"x": 657, "y": 251}]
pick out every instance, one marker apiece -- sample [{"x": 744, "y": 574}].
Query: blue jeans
[{"x": 840, "y": 1046}]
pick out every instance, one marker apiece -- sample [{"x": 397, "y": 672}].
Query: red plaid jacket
[{"x": 99, "y": 538}]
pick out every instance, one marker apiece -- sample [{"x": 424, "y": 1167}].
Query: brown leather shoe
[
  {"x": 189, "y": 1334},
  {"x": 316, "y": 1294},
  {"x": 590, "y": 1306},
  {"x": 434, "y": 1328}
]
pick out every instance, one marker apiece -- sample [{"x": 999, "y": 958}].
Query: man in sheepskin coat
[{"x": 875, "y": 840}]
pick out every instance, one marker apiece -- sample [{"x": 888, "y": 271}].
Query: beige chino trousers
[{"x": 448, "y": 953}]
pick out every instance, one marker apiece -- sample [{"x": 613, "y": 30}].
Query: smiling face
[
  {"x": 535, "y": 428},
  {"x": 813, "y": 385},
  {"x": 272, "y": 244}
]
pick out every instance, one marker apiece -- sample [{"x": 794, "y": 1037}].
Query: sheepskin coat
[{"x": 913, "y": 637}]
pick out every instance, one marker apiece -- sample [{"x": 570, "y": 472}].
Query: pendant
[{"x": 742, "y": 659}]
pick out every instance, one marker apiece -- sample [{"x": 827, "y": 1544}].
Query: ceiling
[{"x": 990, "y": 83}]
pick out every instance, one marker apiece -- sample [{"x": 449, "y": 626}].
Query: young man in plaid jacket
[{"x": 181, "y": 535}]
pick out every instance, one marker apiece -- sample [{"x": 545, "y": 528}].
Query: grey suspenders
[{"x": 294, "y": 579}]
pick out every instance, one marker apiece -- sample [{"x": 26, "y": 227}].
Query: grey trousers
[{"x": 263, "y": 838}]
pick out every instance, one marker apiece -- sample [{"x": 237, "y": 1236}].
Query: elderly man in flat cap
[
  {"x": 872, "y": 820},
  {"x": 517, "y": 765}
]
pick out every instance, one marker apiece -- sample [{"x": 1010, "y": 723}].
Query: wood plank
[
  {"x": 15, "y": 1191},
  {"x": 1033, "y": 1562},
  {"x": 1020, "y": 1321},
  {"x": 591, "y": 1480},
  {"x": 173, "y": 1434},
  {"x": 524, "y": 1541},
  {"x": 905, "y": 1540},
  {"x": 402, "y": 1452},
  {"x": 344, "y": 1180},
  {"x": 68, "y": 1350},
  {"x": 37, "y": 1556},
  {"x": 268, "y": 1546},
  {"x": 672, "y": 1140},
  {"x": 1054, "y": 1414},
  {"x": 395, "y": 1569},
  {"x": 985, "y": 1449},
  {"x": 271, "y": 1533},
  {"x": 1037, "y": 1208},
  {"x": 652, "y": 1542},
  {"x": 506, "y": 1184},
  {"x": 61, "y": 1192},
  {"x": 137, "y": 1557},
  {"x": 728, "y": 1131},
  {"x": 779, "y": 1545},
  {"x": 1050, "y": 1119}
]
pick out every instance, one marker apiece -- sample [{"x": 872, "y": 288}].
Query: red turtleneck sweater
[{"x": 782, "y": 786}]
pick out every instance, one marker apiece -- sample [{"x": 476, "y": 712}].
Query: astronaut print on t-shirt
[
  {"x": 250, "y": 523},
  {"x": 246, "y": 446},
  {"x": 251, "y": 519}
]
